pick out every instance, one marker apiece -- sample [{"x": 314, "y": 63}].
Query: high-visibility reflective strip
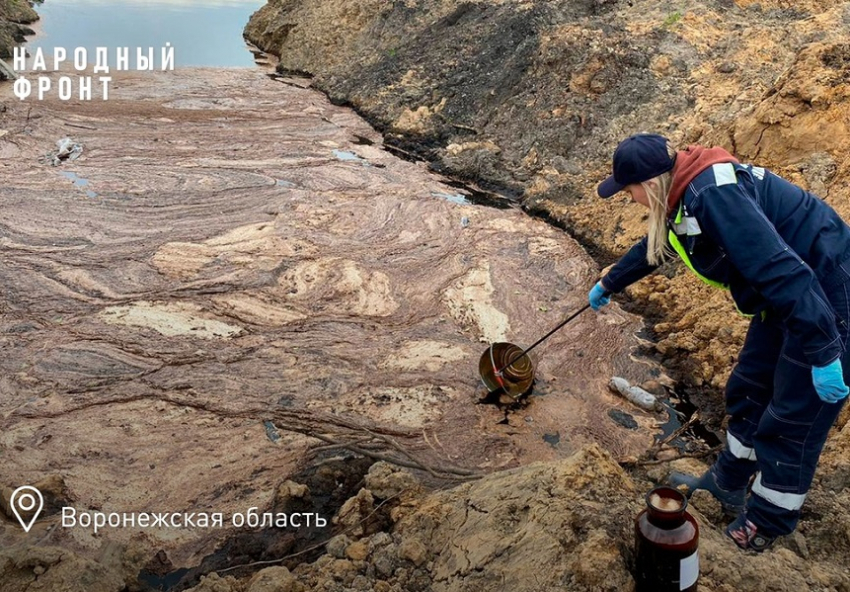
[
  {"x": 724, "y": 174},
  {"x": 680, "y": 226},
  {"x": 786, "y": 501},
  {"x": 738, "y": 450},
  {"x": 692, "y": 226},
  {"x": 686, "y": 225},
  {"x": 680, "y": 249}
]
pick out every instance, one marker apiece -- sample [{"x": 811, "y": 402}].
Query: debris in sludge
[{"x": 635, "y": 394}]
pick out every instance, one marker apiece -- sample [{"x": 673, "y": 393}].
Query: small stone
[
  {"x": 289, "y": 490},
  {"x": 661, "y": 65},
  {"x": 797, "y": 543},
  {"x": 354, "y": 513},
  {"x": 343, "y": 570},
  {"x": 273, "y": 579},
  {"x": 414, "y": 551},
  {"x": 378, "y": 540},
  {"x": 357, "y": 551},
  {"x": 385, "y": 480},
  {"x": 385, "y": 561},
  {"x": 38, "y": 570},
  {"x": 337, "y": 545},
  {"x": 215, "y": 583}
]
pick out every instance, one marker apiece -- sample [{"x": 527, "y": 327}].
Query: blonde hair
[{"x": 657, "y": 190}]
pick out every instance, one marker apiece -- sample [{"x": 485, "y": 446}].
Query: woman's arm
[{"x": 631, "y": 267}]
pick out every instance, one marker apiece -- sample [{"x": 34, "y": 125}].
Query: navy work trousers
[{"x": 778, "y": 424}]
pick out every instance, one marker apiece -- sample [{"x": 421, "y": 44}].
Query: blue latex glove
[
  {"x": 598, "y": 296},
  {"x": 829, "y": 382}
]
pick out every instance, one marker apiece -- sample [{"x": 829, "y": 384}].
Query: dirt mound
[
  {"x": 512, "y": 85},
  {"x": 565, "y": 525}
]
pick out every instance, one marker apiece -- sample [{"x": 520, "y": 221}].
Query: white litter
[
  {"x": 66, "y": 149},
  {"x": 635, "y": 394}
]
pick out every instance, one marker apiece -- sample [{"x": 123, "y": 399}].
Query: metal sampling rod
[{"x": 541, "y": 340}]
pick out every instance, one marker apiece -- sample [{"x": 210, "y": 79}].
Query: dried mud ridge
[{"x": 233, "y": 285}]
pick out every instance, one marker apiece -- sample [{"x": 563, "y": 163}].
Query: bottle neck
[
  {"x": 666, "y": 519},
  {"x": 665, "y": 507}
]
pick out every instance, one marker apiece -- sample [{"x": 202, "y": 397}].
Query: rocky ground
[
  {"x": 545, "y": 526},
  {"x": 163, "y": 354}
]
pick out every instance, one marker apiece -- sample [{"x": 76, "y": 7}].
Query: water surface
[{"x": 202, "y": 32}]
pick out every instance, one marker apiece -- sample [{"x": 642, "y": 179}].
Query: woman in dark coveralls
[{"x": 784, "y": 255}]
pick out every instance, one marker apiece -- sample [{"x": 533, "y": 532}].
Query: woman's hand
[
  {"x": 829, "y": 382},
  {"x": 598, "y": 296}
]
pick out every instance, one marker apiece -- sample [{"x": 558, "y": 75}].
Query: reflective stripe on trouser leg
[
  {"x": 792, "y": 432},
  {"x": 786, "y": 501},
  {"x": 788, "y": 452},
  {"x": 748, "y": 393},
  {"x": 738, "y": 449},
  {"x": 788, "y": 443}
]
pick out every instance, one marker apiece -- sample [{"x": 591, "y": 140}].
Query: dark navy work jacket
[{"x": 777, "y": 247}]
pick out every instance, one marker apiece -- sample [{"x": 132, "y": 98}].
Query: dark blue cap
[{"x": 637, "y": 159}]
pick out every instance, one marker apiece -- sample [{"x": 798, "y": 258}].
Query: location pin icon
[{"x": 26, "y": 499}]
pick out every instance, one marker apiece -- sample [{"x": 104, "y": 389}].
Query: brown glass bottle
[{"x": 666, "y": 542}]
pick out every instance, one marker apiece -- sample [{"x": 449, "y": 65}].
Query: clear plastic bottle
[{"x": 666, "y": 544}]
